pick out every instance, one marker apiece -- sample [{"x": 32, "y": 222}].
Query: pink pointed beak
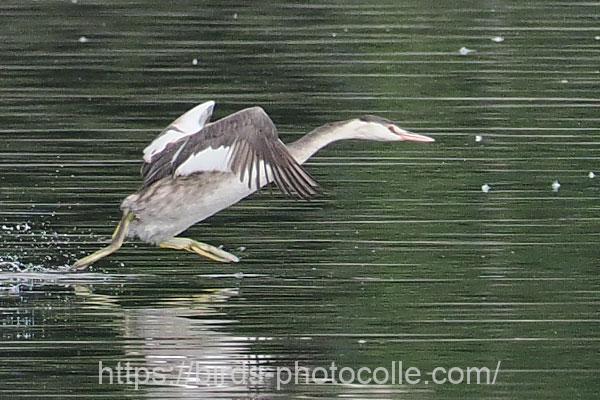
[{"x": 409, "y": 136}]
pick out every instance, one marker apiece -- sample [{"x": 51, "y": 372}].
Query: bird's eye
[{"x": 392, "y": 129}]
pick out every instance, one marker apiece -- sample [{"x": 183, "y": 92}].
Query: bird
[{"x": 196, "y": 167}]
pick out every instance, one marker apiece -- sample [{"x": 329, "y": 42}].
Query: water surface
[{"x": 403, "y": 258}]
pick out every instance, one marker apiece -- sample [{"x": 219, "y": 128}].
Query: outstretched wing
[
  {"x": 245, "y": 143},
  {"x": 189, "y": 123}
]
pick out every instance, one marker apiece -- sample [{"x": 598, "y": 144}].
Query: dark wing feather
[{"x": 254, "y": 151}]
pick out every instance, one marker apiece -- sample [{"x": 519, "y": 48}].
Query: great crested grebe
[{"x": 196, "y": 168}]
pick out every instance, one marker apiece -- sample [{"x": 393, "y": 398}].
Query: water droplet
[{"x": 465, "y": 51}]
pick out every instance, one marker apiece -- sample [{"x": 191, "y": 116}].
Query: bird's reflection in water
[
  {"x": 179, "y": 345},
  {"x": 122, "y": 337},
  {"x": 184, "y": 344}
]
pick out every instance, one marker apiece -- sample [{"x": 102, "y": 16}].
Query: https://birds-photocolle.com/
[{"x": 196, "y": 168}]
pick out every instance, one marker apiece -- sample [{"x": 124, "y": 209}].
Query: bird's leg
[
  {"x": 117, "y": 241},
  {"x": 200, "y": 248}
]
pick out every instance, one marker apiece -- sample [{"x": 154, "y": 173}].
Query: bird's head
[{"x": 372, "y": 127}]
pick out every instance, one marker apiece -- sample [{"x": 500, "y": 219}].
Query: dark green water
[{"x": 403, "y": 258}]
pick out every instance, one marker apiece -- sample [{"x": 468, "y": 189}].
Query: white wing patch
[
  {"x": 189, "y": 123},
  {"x": 206, "y": 160},
  {"x": 219, "y": 160},
  {"x": 193, "y": 120},
  {"x": 159, "y": 144}
]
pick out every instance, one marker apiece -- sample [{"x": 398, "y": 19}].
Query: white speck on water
[
  {"x": 362, "y": 341},
  {"x": 195, "y": 61},
  {"x": 478, "y": 138},
  {"x": 485, "y": 188},
  {"x": 498, "y": 39},
  {"x": 463, "y": 51},
  {"x": 24, "y": 227},
  {"x": 555, "y": 186},
  {"x": 83, "y": 39},
  {"x": 596, "y": 37},
  {"x": 564, "y": 81},
  {"x": 591, "y": 175},
  {"x": 334, "y": 35},
  {"x": 235, "y": 15},
  {"x": 241, "y": 248}
]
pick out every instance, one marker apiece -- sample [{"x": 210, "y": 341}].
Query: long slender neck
[{"x": 303, "y": 148}]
